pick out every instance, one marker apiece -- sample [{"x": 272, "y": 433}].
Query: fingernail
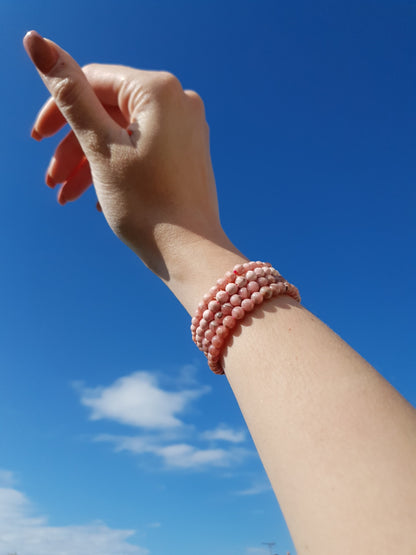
[
  {"x": 42, "y": 53},
  {"x": 49, "y": 181},
  {"x": 61, "y": 198},
  {"x": 35, "y": 135}
]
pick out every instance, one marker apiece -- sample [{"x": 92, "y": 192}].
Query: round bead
[
  {"x": 195, "y": 321},
  {"x": 200, "y": 332},
  {"x": 238, "y": 313},
  {"x": 240, "y": 281},
  {"x": 259, "y": 271},
  {"x": 208, "y": 315},
  {"x": 229, "y": 322},
  {"x": 226, "y": 309},
  {"x": 213, "y": 351},
  {"x": 244, "y": 294},
  {"x": 231, "y": 288},
  {"x": 235, "y": 300},
  {"x": 274, "y": 272},
  {"x": 193, "y": 328},
  {"x": 203, "y": 324},
  {"x": 209, "y": 334},
  {"x": 213, "y": 291},
  {"x": 206, "y": 298},
  {"x": 222, "y": 297},
  {"x": 223, "y": 332},
  {"x": 253, "y": 287},
  {"x": 214, "y": 306},
  {"x": 201, "y": 307},
  {"x": 251, "y": 276},
  {"x": 213, "y": 325},
  {"x": 247, "y": 305},
  {"x": 217, "y": 341},
  {"x": 221, "y": 283},
  {"x": 238, "y": 269},
  {"x": 257, "y": 297},
  {"x": 271, "y": 279},
  {"x": 206, "y": 343},
  {"x": 246, "y": 266},
  {"x": 219, "y": 316},
  {"x": 262, "y": 281},
  {"x": 266, "y": 292},
  {"x": 229, "y": 276},
  {"x": 276, "y": 288}
]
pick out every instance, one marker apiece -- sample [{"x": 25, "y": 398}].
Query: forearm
[{"x": 338, "y": 442}]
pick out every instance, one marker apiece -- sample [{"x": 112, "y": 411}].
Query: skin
[{"x": 337, "y": 441}]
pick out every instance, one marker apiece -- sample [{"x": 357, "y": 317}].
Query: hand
[{"x": 144, "y": 143}]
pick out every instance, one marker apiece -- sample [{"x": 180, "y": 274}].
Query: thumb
[{"x": 72, "y": 93}]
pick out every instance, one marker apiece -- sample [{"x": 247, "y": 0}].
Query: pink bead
[
  {"x": 229, "y": 276},
  {"x": 257, "y": 298},
  {"x": 274, "y": 272},
  {"x": 200, "y": 332},
  {"x": 276, "y": 288},
  {"x": 214, "y": 306},
  {"x": 223, "y": 332},
  {"x": 226, "y": 309},
  {"x": 222, "y": 297},
  {"x": 266, "y": 292},
  {"x": 201, "y": 307},
  {"x": 238, "y": 269},
  {"x": 207, "y": 297},
  {"x": 262, "y": 281},
  {"x": 219, "y": 316},
  {"x": 259, "y": 272},
  {"x": 244, "y": 294},
  {"x": 246, "y": 266},
  {"x": 195, "y": 321},
  {"x": 229, "y": 322},
  {"x": 247, "y": 305},
  {"x": 209, "y": 334},
  {"x": 231, "y": 288},
  {"x": 213, "y": 325},
  {"x": 222, "y": 282},
  {"x": 213, "y": 351},
  {"x": 271, "y": 279},
  {"x": 240, "y": 281},
  {"x": 217, "y": 341},
  {"x": 213, "y": 291},
  {"x": 253, "y": 287},
  {"x": 208, "y": 315},
  {"x": 251, "y": 276},
  {"x": 235, "y": 300},
  {"x": 205, "y": 344},
  {"x": 238, "y": 313},
  {"x": 203, "y": 324}
]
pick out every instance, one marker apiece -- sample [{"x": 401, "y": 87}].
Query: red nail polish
[
  {"x": 42, "y": 53},
  {"x": 35, "y": 135},
  {"x": 49, "y": 181}
]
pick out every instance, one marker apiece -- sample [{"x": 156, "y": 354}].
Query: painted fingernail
[
  {"x": 61, "y": 198},
  {"x": 41, "y": 52},
  {"x": 49, "y": 181},
  {"x": 35, "y": 135},
  {"x": 98, "y": 206}
]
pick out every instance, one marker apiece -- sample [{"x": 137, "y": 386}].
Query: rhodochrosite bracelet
[{"x": 235, "y": 295}]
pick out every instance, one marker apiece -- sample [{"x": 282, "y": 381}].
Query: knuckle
[
  {"x": 66, "y": 91},
  {"x": 196, "y": 101},
  {"x": 168, "y": 84}
]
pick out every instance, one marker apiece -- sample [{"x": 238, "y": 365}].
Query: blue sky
[{"x": 111, "y": 441}]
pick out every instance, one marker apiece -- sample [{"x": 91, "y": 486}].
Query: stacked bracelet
[{"x": 235, "y": 295}]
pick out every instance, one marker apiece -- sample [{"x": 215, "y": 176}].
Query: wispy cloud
[
  {"x": 138, "y": 400},
  {"x": 224, "y": 433},
  {"x": 260, "y": 486},
  {"x": 7, "y": 478},
  {"x": 24, "y": 532},
  {"x": 176, "y": 455}
]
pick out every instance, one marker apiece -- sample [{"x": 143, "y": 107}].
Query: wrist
[{"x": 195, "y": 265}]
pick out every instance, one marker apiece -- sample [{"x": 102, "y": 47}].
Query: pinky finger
[{"x": 76, "y": 184}]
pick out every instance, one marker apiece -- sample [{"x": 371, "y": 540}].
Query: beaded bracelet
[{"x": 235, "y": 295}]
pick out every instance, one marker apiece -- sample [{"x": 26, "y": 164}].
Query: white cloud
[
  {"x": 224, "y": 433},
  {"x": 177, "y": 455},
  {"x": 23, "y": 532},
  {"x": 256, "y": 488},
  {"x": 138, "y": 400}
]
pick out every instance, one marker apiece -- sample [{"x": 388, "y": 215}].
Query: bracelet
[{"x": 235, "y": 295}]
